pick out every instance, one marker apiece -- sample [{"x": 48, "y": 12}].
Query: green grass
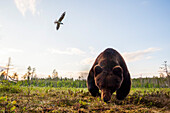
[
  {"x": 47, "y": 99},
  {"x": 148, "y": 89}
]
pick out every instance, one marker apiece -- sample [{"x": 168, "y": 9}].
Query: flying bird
[{"x": 58, "y": 22}]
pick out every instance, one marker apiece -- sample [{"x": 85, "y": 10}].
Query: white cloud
[
  {"x": 14, "y": 50},
  {"x": 128, "y": 56},
  {"x": 87, "y": 61},
  {"x": 148, "y": 57},
  {"x": 92, "y": 50},
  {"x": 26, "y": 5},
  {"x": 0, "y": 25},
  {"x": 138, "y": 55},
  {"x": 0, "y": 30},
  {"x": 68, "y": 51},
  {"x": 4, "y": 51}
]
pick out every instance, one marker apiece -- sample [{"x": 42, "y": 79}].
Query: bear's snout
[
  {"x": 105, "y": 99},
  {"x": 106, "y": 95}
]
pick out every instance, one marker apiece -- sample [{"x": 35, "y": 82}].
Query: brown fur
[{"x": 109, "y": 74}]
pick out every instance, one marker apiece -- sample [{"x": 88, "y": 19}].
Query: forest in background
[
  {"x": 30, "y": 78},
  {"x": 155, "y": 82}
]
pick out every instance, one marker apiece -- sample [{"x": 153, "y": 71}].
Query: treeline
[
  {"x": 154, "y": 82},
  {"x": 55, "y": 82}
]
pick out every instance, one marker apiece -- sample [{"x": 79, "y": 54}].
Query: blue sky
[{"x": 138, "y": 29}]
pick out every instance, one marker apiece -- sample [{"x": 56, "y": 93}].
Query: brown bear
[{"x": 109, "y": 73}]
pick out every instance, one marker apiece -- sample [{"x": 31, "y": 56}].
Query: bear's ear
[
  {"x": 117, "y": 70},
  {"x": 97, "y": 70}
]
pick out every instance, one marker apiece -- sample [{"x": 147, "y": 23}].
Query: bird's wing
[
  {"x": 55, "y": 21},
  {"x": 58, "y": 26},
  {"x": 62, "y": 16}
]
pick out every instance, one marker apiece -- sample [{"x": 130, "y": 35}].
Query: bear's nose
[{"x": 105, "y": 99}]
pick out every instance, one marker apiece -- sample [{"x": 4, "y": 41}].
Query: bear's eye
[
  {"x": 117, "y": 70},
  {"x": 97, "y": 70}
]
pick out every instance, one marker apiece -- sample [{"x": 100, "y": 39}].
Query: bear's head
[{"x": 108, "y": 81}]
